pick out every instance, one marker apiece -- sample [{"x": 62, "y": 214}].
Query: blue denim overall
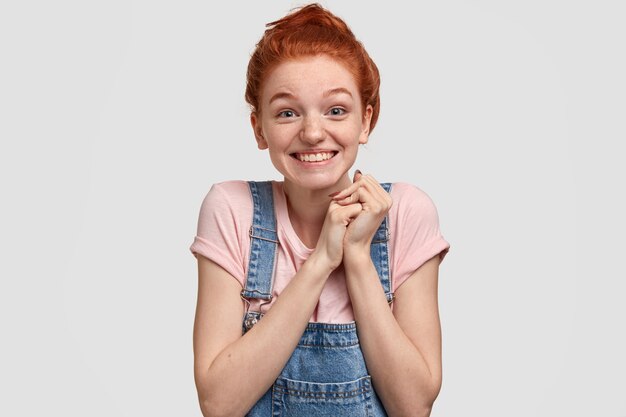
[{"x": 326, "y": 375}]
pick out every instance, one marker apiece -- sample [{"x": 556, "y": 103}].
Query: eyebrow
[
  {"x": 338, "y": 90},
  {"x": 281, "y": 95}
]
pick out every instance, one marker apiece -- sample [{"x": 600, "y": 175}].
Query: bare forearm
[
  {"x": 399, "y": 372},
  {"x": 247, "y": 368}
]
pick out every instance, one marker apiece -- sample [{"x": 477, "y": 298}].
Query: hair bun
[{"x": 307, "y": 31}]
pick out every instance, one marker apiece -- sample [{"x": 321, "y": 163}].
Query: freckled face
[{"x": 311, "y": 121}]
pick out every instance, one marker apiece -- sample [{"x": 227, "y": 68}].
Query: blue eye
[
  {"x": 286, "y": 113},
  {"x": 337, "y": 111}
]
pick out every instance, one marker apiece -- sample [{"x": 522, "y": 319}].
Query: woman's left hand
[{"x": 375, "y": 202}]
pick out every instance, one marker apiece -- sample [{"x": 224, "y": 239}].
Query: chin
[{"x": 314, "y": 182}]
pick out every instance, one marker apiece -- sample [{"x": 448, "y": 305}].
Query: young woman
[{"x": 317, "y": 295}]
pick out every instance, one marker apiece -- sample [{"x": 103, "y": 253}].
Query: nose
[{"x": 312, "y": 130}]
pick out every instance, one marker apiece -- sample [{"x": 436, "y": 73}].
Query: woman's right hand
[{"x": 330, "y": 244}]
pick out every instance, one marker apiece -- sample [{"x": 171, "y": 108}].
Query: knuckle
[{"x": 335, "y": 216}]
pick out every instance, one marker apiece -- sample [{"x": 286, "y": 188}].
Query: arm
[
  {"x": 232, "y": 371},
  {"x": 402, "y": 352},
  {"x": 402, "y": 349}
]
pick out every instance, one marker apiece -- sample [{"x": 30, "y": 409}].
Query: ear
[
  {"x": 365, "y": 124},
  {"x": 258, "y": 130}
]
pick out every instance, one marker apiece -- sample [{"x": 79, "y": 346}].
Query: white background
[{"x": 117, "y": 116}]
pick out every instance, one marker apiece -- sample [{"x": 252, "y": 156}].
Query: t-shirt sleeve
[
  {"x": 223, "y": 225},
  {"x": 415, "y": 233}
]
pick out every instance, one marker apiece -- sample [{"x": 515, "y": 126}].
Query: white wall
[{"x": 117, "y": 116}]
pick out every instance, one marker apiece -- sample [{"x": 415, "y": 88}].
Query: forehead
[{"x": 309, "y": 75}]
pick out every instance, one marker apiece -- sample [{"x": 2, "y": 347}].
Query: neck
[{"x": 307, "y": 208}]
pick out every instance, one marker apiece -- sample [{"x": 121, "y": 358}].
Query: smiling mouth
[{"x": 313, "y": 157}]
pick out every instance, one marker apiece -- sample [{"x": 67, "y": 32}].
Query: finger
[
  {"x": 377, "y": 189},
  {"x": 367, "y": 199},
  {"x": 335, "y": 205},
  {"x": 352, "y": 210},
  {"x": 374, "y": 184},
  {"x": 339, "y": 195},
  {"x": 361, "y": 181},
  {"x": 344, "y": 214},
  {"x": 363, "y": 196},
  {"x": 351, "y": 199},
  {"x": 372, "y": 202},
  {"x": 370, "y": 178}
]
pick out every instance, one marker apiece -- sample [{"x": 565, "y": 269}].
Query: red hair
[{"x": 312, "y": 30}]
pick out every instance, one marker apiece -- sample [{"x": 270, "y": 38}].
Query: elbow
[
  {"x": 422, "y": 412},
  {"x": 435, "y": 389},
  {"x": 423, "y": 403},
  {"x": 207, "y": 408},
  {"x": 423, "y": 409},
  {"x": 211, "y": 408},
  {"x": 214, "y": 403},
  {"x": 426, "y": 407}
]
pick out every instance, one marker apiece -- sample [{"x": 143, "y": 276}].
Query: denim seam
[
  {"x": 327, "y": 346},
  {"x": 326, "y": 394}
]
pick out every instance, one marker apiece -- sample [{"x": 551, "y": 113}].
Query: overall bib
[{"x": 326, "y": 374}]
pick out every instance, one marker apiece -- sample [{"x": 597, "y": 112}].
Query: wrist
[
  {"x": 320, "y": 263},
  {"x": 356, "y": 257}
]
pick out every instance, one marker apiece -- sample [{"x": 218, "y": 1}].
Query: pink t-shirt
[{"x": 226, "y": 217}]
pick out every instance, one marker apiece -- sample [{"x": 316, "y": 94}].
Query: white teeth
[{"x": 322, "y": 156}]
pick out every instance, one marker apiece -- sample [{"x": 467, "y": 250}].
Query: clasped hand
[{"x": 353, "y": 217}]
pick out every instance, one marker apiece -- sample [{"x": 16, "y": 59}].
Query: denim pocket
[{"x": 313, "y": 399}]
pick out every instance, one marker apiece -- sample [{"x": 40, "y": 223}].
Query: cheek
[
  {"x": 280, "y": 135},
  {"x": 349, "y": 135}
]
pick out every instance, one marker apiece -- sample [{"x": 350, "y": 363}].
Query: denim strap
[
  {"x": 379, "y": 252},
  {"x": 263, "y": 241}
]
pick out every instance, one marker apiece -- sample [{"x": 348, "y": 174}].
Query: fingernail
[{"x": 333, "y": 194}]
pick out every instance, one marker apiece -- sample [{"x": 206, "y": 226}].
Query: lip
[{"x": 314, "y": 151}]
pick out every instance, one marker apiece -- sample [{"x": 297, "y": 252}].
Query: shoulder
[
  {"x": 229, "y": 201},
  {"x": 227, "y": 194},
  {"x": 409, "y": 198},
  {"x": 229, "y": 189},
  {"x": 415, "y": 233},
  {"x": 406, "y": 189},
  {"x": 413, "y": 217}
]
